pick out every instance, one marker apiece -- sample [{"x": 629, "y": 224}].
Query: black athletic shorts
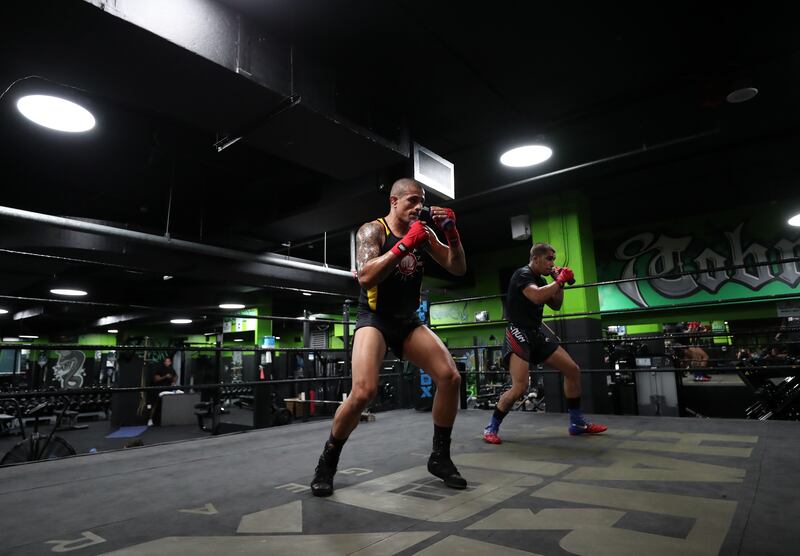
[
  {"x": 395, "y": 330},
  {"x": 528, "y": 344}
]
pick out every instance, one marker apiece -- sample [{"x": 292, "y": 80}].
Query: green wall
[
  {"x": 565, "y": 223},
  {"x": 759, "y": 230},
  {"x": 486, "y": 269},
  {"x": 263, "y": 326}
]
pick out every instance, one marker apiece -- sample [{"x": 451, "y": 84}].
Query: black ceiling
[{"x": 327, "y": 97}]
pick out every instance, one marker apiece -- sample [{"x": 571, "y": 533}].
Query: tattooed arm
[{"x": 373, "y": 268}]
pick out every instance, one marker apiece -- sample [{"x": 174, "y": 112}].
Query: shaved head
[{"x": 402, "y": 186}]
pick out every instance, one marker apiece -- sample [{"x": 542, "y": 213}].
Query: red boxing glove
[
  {"x": 565, "y": 276},
  {"x": 448, "y": 225},
  {"x": 417, "y": 234}
]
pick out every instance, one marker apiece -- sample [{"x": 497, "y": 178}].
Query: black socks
[
  {"x": 441, "y": 439},
  {"x": 332, "y": 450},
  {"x": 322, "y": 484},
  {"x": 439, "y": 463},
  {"x": 499, "y": 415}
]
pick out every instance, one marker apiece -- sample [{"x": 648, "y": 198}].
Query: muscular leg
[
  {"x": 518, "y": 368},
  {"x": 425, "y": 350},
  {"x": 561, "y": 361},
  {"x": 369, "y": 347}
]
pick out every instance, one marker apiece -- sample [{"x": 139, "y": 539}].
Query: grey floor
[{"x": 649, "y": 486}]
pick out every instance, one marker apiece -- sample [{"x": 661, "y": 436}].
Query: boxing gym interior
[{"x": 178, "y": 260}]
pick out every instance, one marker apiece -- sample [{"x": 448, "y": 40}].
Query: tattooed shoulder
[{"x": 368, "y": 242}]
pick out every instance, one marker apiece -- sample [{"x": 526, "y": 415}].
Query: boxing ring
[{"x": 651, "y": 485}]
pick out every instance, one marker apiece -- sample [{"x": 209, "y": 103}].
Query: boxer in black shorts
[
  {"x": 391, "y": 255},
  {"x": 526, "y": 346}
]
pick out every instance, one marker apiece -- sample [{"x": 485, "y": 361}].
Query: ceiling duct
[{"x": 309, "y": 132}]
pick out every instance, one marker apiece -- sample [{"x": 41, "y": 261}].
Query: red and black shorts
[{"x": 529, "y": 344}]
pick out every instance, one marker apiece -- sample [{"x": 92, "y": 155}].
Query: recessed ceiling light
[
  {"x": 307, "y": 294},
  {"x": 794, "y": 220},
  {"x": 56, "y": 113},
  {"x": 27, "y": 337},
  {"x": 231, "y": 306},
  {"x": 741, "y": 95},
  {"x": 71, "y": 293},
  {"x": 180, "y": 321},
  {"x": 112, "y": 331},
  {"x": 528, "y": 155},
  {"x": 238, "y": 340},
  {"x": 9, "y": 339},
  {"x": 3, "y": 311},
  {"x": 277, "y": 337}
]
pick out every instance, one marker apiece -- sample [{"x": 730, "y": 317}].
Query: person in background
[
  {"x": 526, "y": 345},
  {"x": 163, "y": 375}
]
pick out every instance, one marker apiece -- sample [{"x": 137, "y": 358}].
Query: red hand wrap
[
  {"x": 565, "y": 276},
  {"x": 448, "y": 225},
  {"x": 417, "y": 235}
]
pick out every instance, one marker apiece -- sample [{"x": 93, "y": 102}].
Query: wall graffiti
[
  {"x": 69, "y": 370},
  {"x": 663, "y": 258}
]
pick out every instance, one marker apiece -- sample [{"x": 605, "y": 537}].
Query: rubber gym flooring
[{"x": 651, "y": 485}]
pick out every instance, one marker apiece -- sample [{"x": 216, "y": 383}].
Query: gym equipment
[
  {"x": 33, "y": 448},
  {"x": 774, "y": 400},
  {"x": 533, "y": 400},
  {"x": 210, "y": 411},
  {"x": 657, "y": 392}
]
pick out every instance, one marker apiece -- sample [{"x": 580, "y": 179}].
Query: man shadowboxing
[
  {"x": 525, "y": 345},
  {"x": 391, "y": 255}
]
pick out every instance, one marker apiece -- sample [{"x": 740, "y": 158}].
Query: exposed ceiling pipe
[
  {"x": 283, "y": 71},
  {"x": 599, "y": 161},
  {"x": 166, "y": 242}
]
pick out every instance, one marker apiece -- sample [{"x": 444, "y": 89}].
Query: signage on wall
[
  {"x": 789, "y": 309},
  {"x": 238, "y": 324},
  {"x": 661, "y": 256}
]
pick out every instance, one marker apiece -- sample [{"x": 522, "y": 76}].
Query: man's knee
[
  {"x": 572, "y": 370},
  {"x": 450, "y": 379},
  {"x": 362, "y": 394},
  {"x": 516, "y": 392}
]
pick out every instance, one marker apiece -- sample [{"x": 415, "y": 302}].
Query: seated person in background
[
  {"x": 163, "y": 375},
  {"x": 778, "y": 349},
  {"x": 696, "y": 359},
  {"x": 743, "y": 355}
]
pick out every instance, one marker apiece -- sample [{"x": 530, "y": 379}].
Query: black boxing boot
[
  {"x": 439, "y": 463},
  {"x": 322, "y": 483}
]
